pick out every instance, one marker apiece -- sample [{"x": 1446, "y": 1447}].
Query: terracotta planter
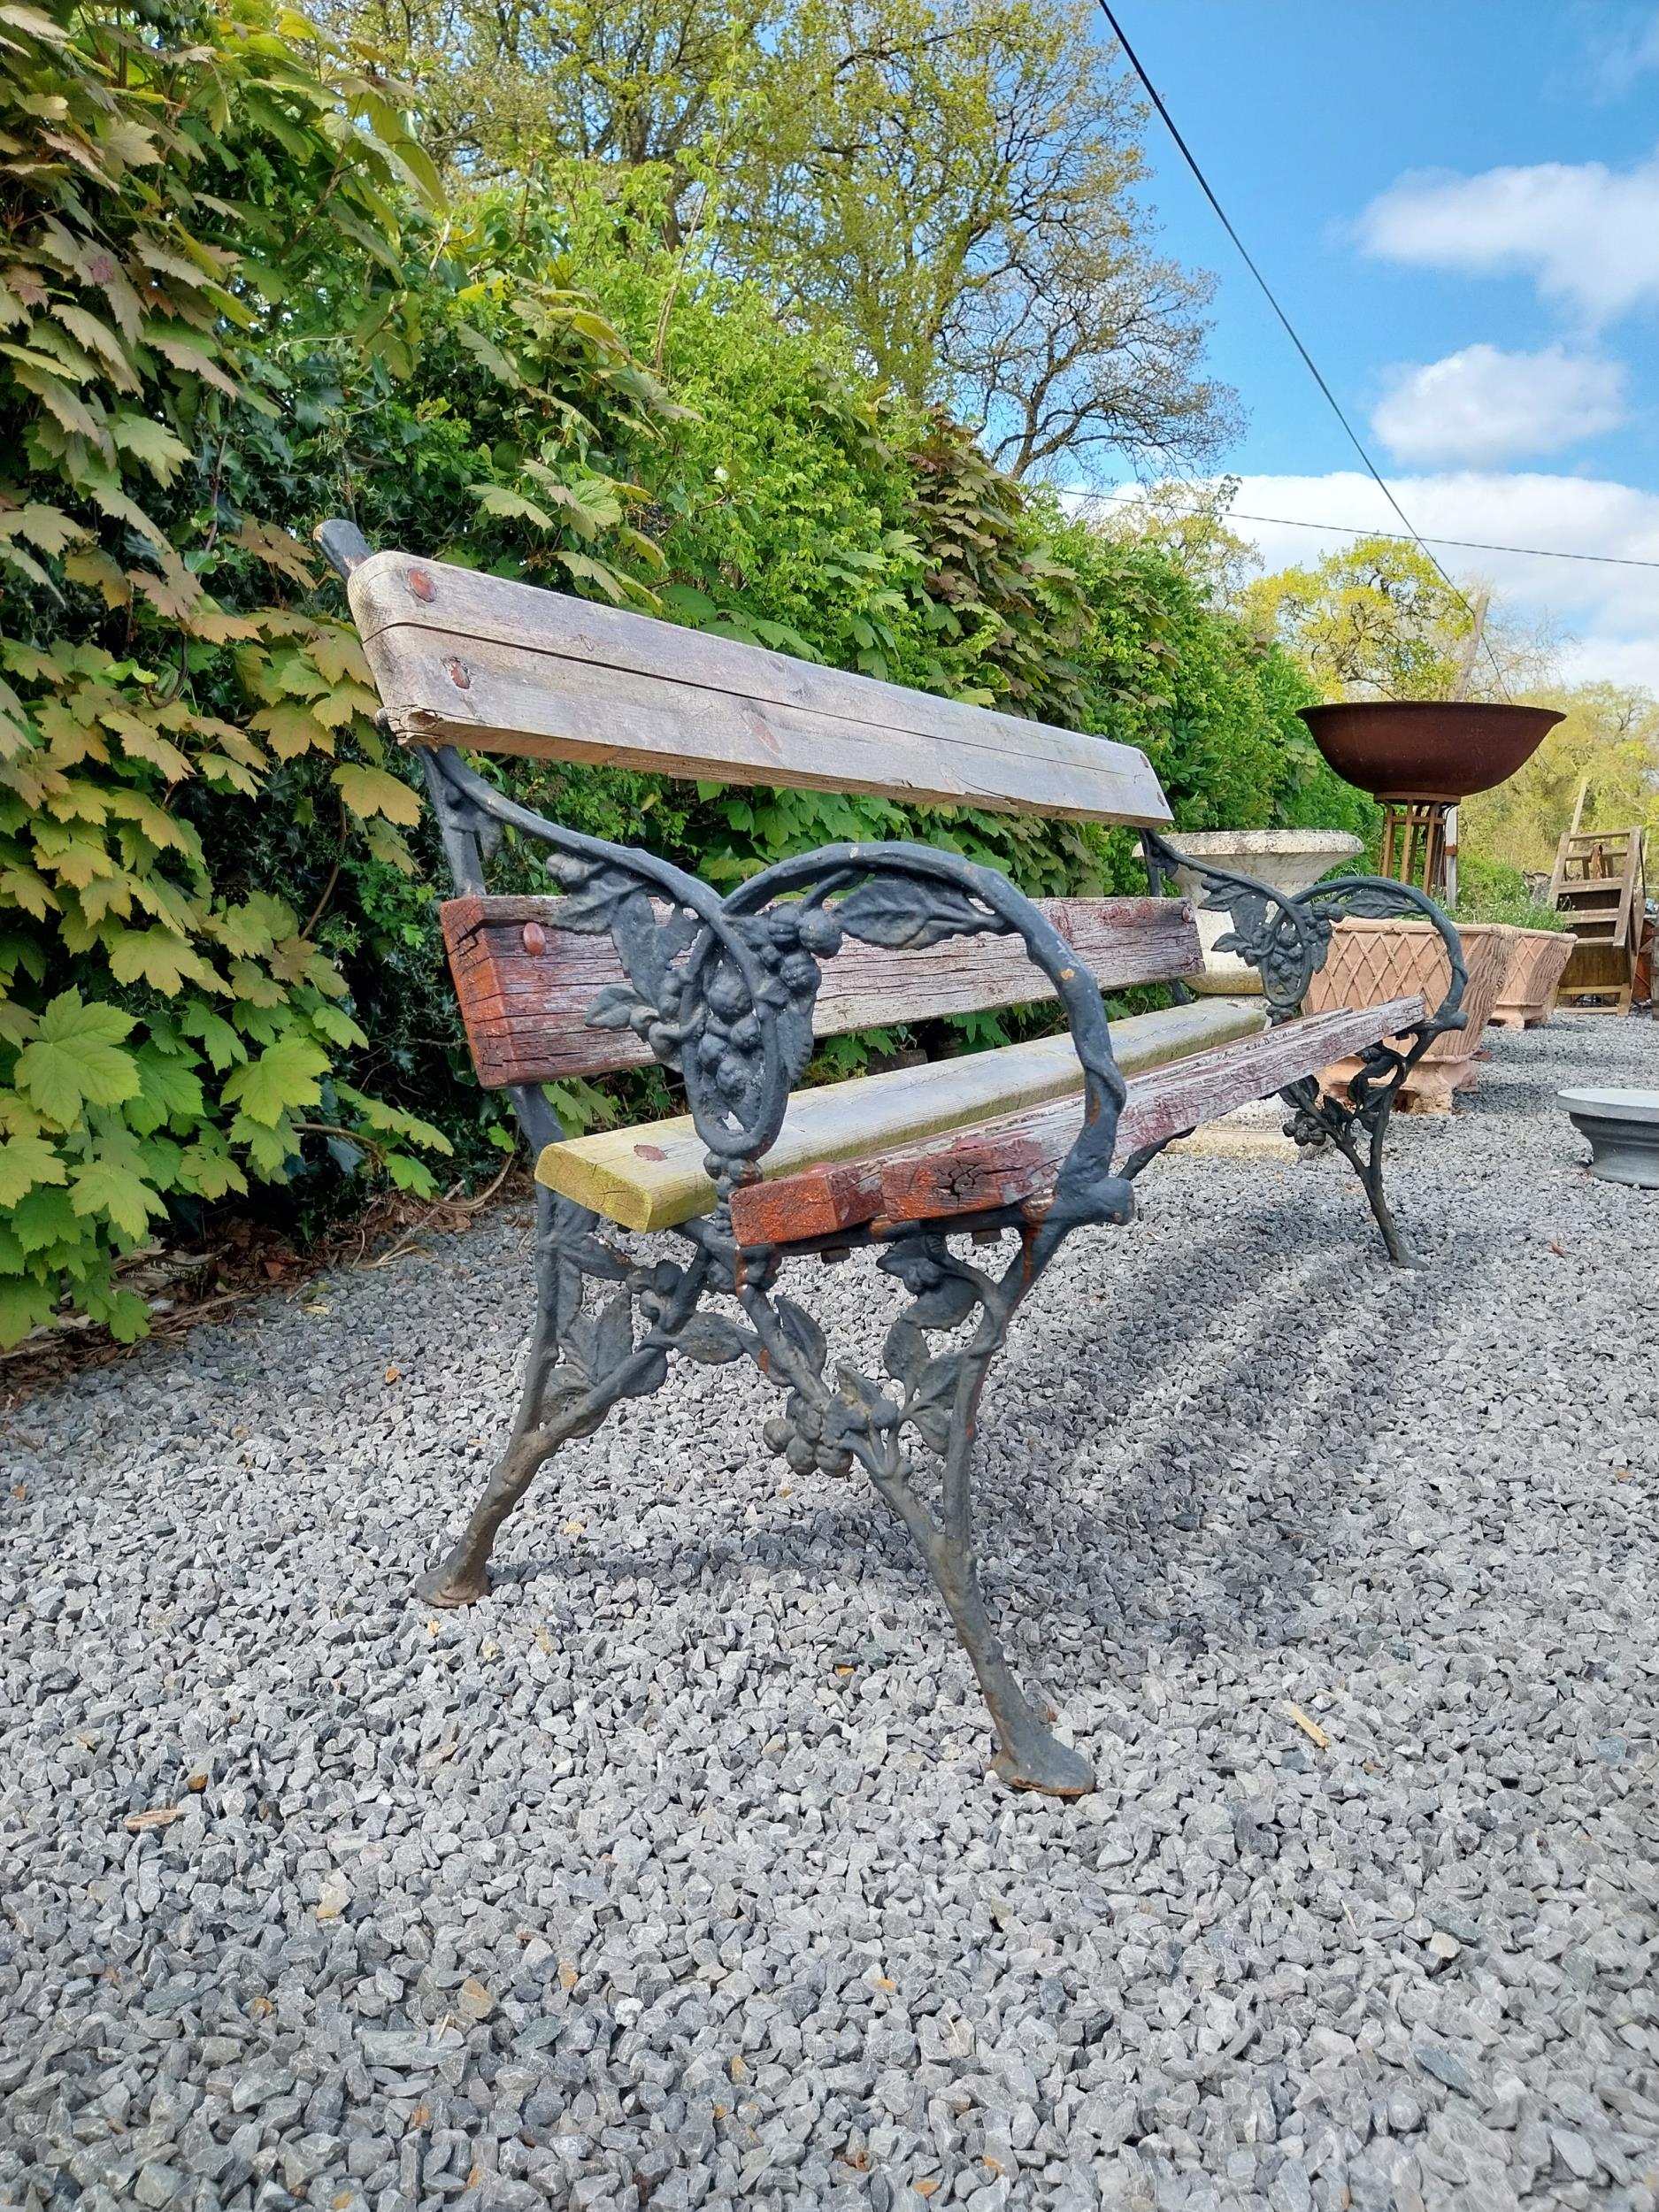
[
  {"x": 1286, "y": 860},
  {"x": 1370, "y": 962},
  {"x": 1537, "y": 963}
]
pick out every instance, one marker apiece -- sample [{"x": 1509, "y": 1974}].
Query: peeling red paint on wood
[
  {"x": 1014, "y": 1161},
  {"x": 525, "y": 985}
]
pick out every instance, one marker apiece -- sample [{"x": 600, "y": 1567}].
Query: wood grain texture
[
  {"x": 652, "y": 1176},
  {"x": 461, "y": 659},
  {"x": 525, "y": 985},
  {"x": 1013, "y": 1159}
]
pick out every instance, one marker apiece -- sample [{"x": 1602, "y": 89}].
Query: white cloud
[
  {"x": 1612, "y": 660},
  {"x": 1481, "y": 406},
  {"x": 1622, "y": 55},
  {"x": 1585, "y": 233},
  {"x": 1613, "y": 612}
]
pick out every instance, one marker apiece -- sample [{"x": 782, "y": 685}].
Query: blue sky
[{"x": 1458, "y": 206}]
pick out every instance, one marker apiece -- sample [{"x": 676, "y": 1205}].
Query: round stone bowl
[{"x": 1622, "y": 1127}]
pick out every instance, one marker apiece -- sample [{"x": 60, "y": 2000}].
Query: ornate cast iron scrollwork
[
  {"x": 1287, "y": 939},
  {"x": 722, "y": 990}
]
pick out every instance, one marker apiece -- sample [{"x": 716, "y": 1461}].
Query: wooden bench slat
[
  {"x": 524, "y": 1009},
  {"x": 468, "y": 659},
  {"x": 1016, "y": 1157},
  {"x": 651, "y": 1176}
]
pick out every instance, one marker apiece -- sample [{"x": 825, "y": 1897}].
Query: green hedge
[{"x": 242, "y": 309}]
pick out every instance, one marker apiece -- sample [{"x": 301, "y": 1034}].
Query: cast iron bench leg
[
  {"x": 1031, "y": 1757},
  {"x": 855, "y": 1419},
  {"x": 1319, "y": 1120},
  {"x": 538, "y": 1431},
  {"x": 569, "y": 1387}
]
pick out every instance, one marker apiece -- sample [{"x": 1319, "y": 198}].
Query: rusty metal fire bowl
[{"x": 1427, "y": 749}]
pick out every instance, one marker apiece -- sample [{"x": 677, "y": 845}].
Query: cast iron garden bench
[{"x": 636, "y": 962}]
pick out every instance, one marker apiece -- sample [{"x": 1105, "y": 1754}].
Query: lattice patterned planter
[
  {"x": 1370, "y": 962},
  {"x": 1537, "y": 964}
]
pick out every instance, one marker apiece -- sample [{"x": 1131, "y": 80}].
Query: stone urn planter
[
  {"x": 1370, "y": 962},
  {"x": 1286, "y": 860},
  {"x": 1537, "y": 963},
  {"x": 1622, "y": 1127}
]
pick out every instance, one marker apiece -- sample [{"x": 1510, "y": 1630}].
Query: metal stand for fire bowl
[{"x": 1418, "y": 758}]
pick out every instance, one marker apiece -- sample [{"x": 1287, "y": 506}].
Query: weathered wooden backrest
[
  {"x": 465, "y": 659},
  {"x": 471, "y": 660},
  {"x": 525, "y": 985}
]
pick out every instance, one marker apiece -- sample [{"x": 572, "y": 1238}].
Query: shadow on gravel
[
  {"x": 1163, "y": 1519},
  {"x": 1178, "y": 1556}
]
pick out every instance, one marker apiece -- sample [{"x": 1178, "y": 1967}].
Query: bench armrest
[
  {"x": 1287, "y": 937},
  {"x": 722, "y": 989}
]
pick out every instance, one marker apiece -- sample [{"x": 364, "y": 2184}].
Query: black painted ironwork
[
  {"x": 1287, "y": 939},
  {"x": 722, "y": 990}
]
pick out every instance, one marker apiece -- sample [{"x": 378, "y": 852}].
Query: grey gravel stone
[
  {"x": 671, "y": 1871},
  {"x": 260, "y": 2085},
  {"x": 1573, "y": 2152}
]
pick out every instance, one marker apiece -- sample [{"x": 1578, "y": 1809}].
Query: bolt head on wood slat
[{"x": 421, "y": 586}]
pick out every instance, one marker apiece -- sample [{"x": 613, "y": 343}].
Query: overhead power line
[
  {"x": 1312, "y": 366},
  {"x": 1364, "y": 530}
]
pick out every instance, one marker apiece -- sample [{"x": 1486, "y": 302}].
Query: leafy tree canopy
[
  {"x": 1378, "y": 621},
  {"x": 1608, "y": 741},
  {"x": 953, "y": 182}
]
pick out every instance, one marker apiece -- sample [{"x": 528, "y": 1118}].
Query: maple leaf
[
  {"x": 151, "y": 443},
  {"x": 25, "y": 1162},
  {"x": 369, "y": 791},
  {"x": 107, "y": 1185},
  {"x": 76, "y": 1060},
  {"x": 285, "y": 1074},
  {"x": 157, "y": 957},
  {"x": 173, "y": 594},
  {"x": 293, "y": 730}
]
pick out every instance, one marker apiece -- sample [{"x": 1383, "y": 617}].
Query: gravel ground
[{"x": 671, "y": 1871}]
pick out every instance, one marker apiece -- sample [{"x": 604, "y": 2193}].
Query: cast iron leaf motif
[
  {"x": 595, "y": 893},
  {"x": 929, "y": 1404},
  {"x": 594, "y": 1256},
  {"x": 1359, "y": 901},
  {"x": 803, "y": 1332},
  {"x": 614, "y": 1007},
  {"x": 891, "y": 910},
  {"x": 868, "y": 1405},
  {"x": 564, "y": 1393},
  {"x": 598, "y": 1342},
  {"x": 905, "y": 1351},
  {"x": 712, "y": 1339}
]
